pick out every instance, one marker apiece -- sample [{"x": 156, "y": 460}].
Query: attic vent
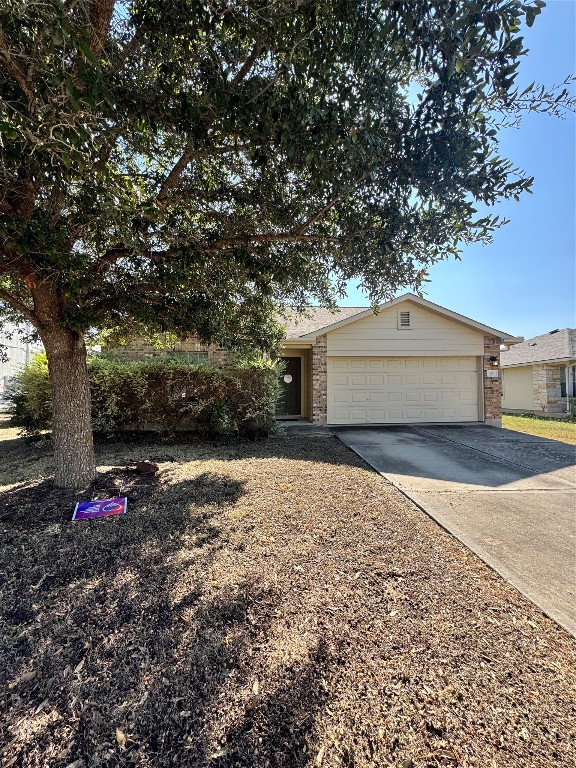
[{"x": 404, "y": 320}]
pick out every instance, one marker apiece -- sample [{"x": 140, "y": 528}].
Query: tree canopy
[{"x": 185, "y": 165}]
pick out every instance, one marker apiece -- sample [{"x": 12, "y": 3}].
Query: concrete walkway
[{"x": 510, "y": 497}]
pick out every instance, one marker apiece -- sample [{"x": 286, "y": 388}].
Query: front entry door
[{"x": 290, "y": 400}]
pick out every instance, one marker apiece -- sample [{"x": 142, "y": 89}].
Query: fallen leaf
[
  {"x": 320, "y": 756},
  {"x": 222, "y": 752},
  {"x": 256, "y": 687},
  {"x": 40, "y": 707},
  {"x": 120, "y": 738}
]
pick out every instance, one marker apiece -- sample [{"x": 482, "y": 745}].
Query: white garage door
[{"x": 398, "y": 390}]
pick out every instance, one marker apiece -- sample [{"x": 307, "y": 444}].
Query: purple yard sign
[{"x": 86, "y": 510}]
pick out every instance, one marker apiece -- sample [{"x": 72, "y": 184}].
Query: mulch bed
[{"x": 266, "y": 604}]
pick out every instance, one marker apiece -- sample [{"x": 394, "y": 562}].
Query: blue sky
[{"x": 525, "y": 282}]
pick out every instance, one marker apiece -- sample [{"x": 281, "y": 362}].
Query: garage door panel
[{"x": 409, "y": 390}]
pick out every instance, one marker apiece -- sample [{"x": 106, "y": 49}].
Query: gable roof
[
  {"x": 313, "y": 319},
  {"x": 556, "y": 345},
  {"x": 323, "y": 320}
]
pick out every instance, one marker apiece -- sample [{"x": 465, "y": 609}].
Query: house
[
  {"x": 539, "y": 374},
  {"x": 412, "y": 362}
]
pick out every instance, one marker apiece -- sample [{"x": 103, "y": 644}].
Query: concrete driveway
[{"x": 509, "y": 497}]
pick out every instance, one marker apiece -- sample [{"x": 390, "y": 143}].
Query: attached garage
[
  {"x": 410, "y": 362},
  {"x": 400, "y": 390}
]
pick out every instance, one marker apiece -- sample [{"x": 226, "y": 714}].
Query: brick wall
[
  {"x": 139, "y": 349},
  {"x": 492, "y": 390},
  {"x": 547, "y": 392},
  {"x": 319, "y": 381},
  {"x": 220, "y": 358}
]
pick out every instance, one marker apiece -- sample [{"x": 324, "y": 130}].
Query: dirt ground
[{"x": 274, "y": 604}]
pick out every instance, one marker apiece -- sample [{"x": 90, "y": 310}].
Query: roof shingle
[
  {"x": 558, "y": 345},
  {"x": 299, "y": 323}
]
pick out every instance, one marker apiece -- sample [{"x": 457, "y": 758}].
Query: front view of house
[{"x": 412, "y": 362}]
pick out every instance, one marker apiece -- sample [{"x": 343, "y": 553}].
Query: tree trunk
[{"x": 71, "y": 422}]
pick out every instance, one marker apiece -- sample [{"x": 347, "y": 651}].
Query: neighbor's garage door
[{"x": 396, "y": 390}]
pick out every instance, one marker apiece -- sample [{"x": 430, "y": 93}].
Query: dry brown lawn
[{"x": 266, "y": 604}]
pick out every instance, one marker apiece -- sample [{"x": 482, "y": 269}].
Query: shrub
[
  {"x": 30, "y": 396},
  {"x": 164, "y": 393}
]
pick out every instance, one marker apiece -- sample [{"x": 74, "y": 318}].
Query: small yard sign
[{"x": 86, "y": 510}]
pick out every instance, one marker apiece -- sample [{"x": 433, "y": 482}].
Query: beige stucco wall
[
  {"x": 430, "y": 335},
  {"x": 518, "y": 388}
]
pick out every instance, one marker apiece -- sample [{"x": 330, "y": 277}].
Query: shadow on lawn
[
  {"x": 117, "y": 624},
  {"x": 25, "y": 459}
]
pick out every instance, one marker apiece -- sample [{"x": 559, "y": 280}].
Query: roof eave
[{"x": 539, "y": 362}]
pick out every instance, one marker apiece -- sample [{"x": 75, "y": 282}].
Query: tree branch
[
  {"x": 172, "y": 179},
  {"x": 110, "y": 257},
  {"x": 188, "y": 153},
  {"x": 281, "y": 237},
  {"x": 18, "y": 305},
  {"x": 16, "y": 72},
  {"x": 99, "y": 18},
  {"x": 247, "y": 66},
  {"x": 330, "y": 204}
]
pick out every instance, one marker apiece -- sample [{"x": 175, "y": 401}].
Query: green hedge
[{"x": 163, "y": 393}]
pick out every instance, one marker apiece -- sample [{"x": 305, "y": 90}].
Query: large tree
[{"x": 182, "y": 164}]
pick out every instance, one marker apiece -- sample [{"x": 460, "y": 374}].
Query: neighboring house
[
  {"x": 412, "y": 362},
  {"x": 18, "y": 352},
  {"x": 539, "y": 374}
]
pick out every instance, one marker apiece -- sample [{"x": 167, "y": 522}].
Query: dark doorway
[{"x": 290, "y": 400}]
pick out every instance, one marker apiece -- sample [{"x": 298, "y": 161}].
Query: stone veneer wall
[
  {"x": 546, "y": 385},
  {"x": 319, "y": 380},
  {"x": 492, "y": 389}
]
